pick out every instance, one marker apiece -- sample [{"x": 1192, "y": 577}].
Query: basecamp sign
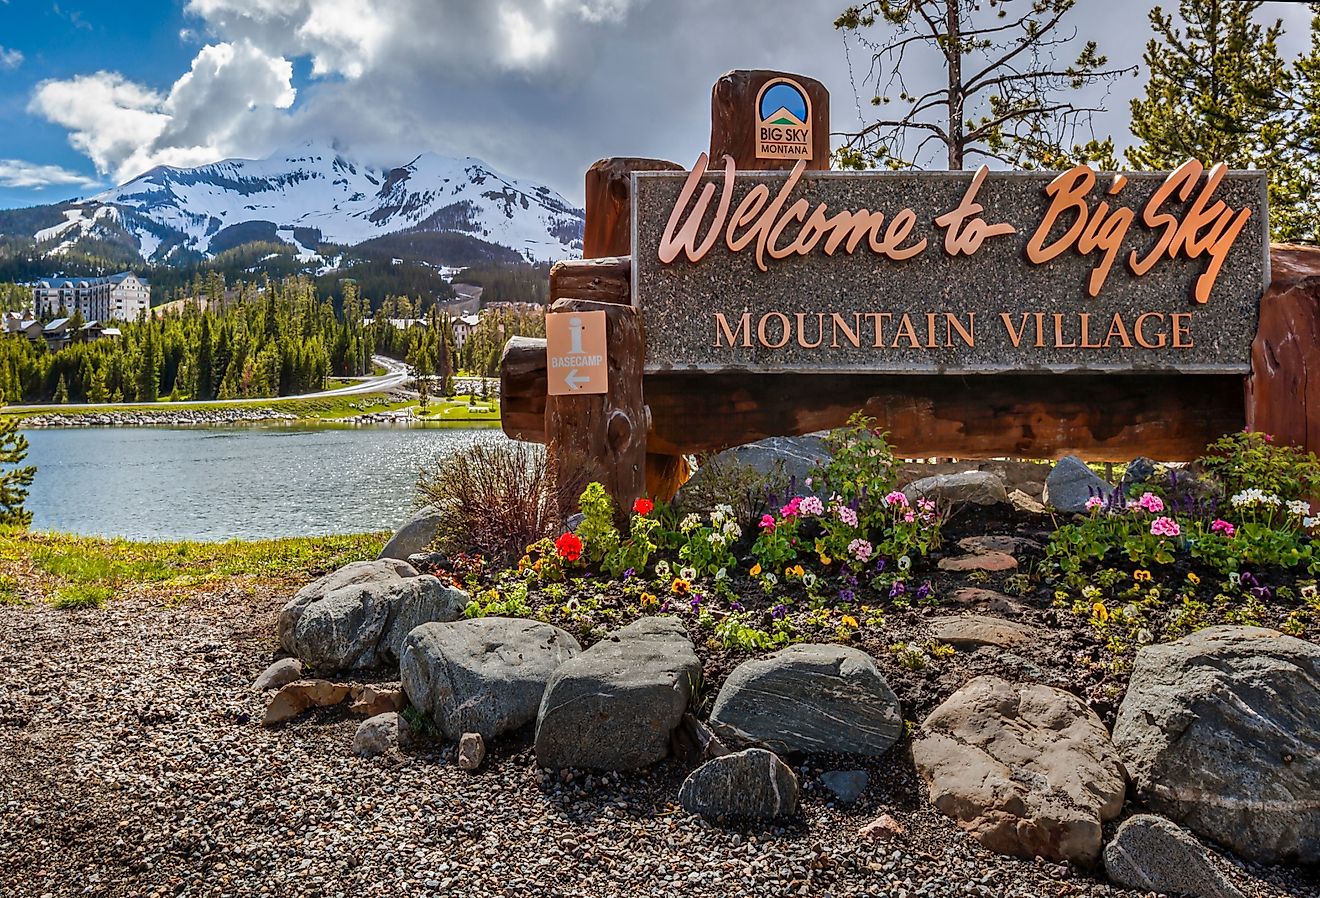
[
  {"x": 575, "y": 353},
  {"x": 949, "y": 271}
]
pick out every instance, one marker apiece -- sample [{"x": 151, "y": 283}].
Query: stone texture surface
[
  {"x": 1220, "y": 732},
  {"x": 965, "y": 488},
  {"x": 381, "y": 571},
  {"x": 471, "y": 751},
  {"x": 1071, "y": 483},
  {"x": 414, "y": 536},
  {"x": 693, "y": 743},
  {"x": 1152, "y": 854},
  {"x": 845, "y": 785},
  {"x": 378, "y": 735},
  {"x": 973, "y": 630},
  {"x": 294, "y": 698},
  {"x": 790, "y": 460},
  {"x": 809, "y": 698},
  {"x": 372, "y": 699},
  {"x": 991, "y": 562},
  {"x": 679, "y": 300},
  {"x": 997, "y": 543},
  {"x": 282, "y": 672},
  {"x": 882, "y": 829},
  {"x": 485, "y": 675},
  {"x": 358, "y": 619},
  {"x": 1025, "y": 503},
  {"x": 987, "y": 599},
  {"x": 752, "y": 784},
  {"x": 1027, "y": 770},
  {"x": 614, "y": 706}
]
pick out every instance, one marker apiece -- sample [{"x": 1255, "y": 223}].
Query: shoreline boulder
[
  {"x": 809, "y": 698},
  {"x": 482, "y": 676},
  {"x": 1221, "y": 733},
  {"x": 615, "y": 706},
  {"x": 414, "y": 535},
  {"x": 1026, "y": 769}
]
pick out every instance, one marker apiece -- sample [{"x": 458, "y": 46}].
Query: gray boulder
[
  {"x": 1071, "y": 483},
  {"x": 1220, "y": 731},
  {"x": 788, "y": 462},
  {"x": 846, "y": 785},
  {"x": 380, "y": 734},
  {"x": 384, "y": 570},
  {"x": 953, "y": 490},
  {"x": 281, "y": 673},
  {"x": 482, "y": 676},
  {"x": 746, "y": 785},
  {"x": 614, "y": 706},
  {"x": 1028, "y": 770},
  {"x": 414, "y": 536},
  {"x": 364, "y": 624},
  {"x": 809, "y": 698},
  {"x": 1151, "y": 854}
]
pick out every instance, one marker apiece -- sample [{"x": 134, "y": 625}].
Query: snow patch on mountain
[{"x": 313, "y": 193}]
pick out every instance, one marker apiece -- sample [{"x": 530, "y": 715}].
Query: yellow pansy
[
  {"x": 1141, "y": 576},
  {"x": 680, "y": 586},
  {"x": 1100, "y": 612},
  {"x": 1194, "y": 580},
  {"x": 756, "y": 570},
  {"x": 648, "y": 600},
  {"x": 850, "y": 621}
]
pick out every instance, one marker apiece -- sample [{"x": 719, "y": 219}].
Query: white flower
[
  {"x": 689, "y": 523},
  {"x": 1310, "y": 522},
  {"x": 1299, "y": 507},
  {"x": 722, "y": 574},
  {"x": 688, "y": 573},
  {"x": 770, "y": 579},
  {"x": 904, "y": 562},
  {"x": 1255, "y": 497},
  {"x": 732, "y": 531},
  {"x": 808, "y": 579},
  {"x": 662, "y": 569}
]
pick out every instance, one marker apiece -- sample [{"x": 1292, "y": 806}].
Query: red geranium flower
[
  {"x": 643, "y": 506},
  {"x": 569, "y": 547}
]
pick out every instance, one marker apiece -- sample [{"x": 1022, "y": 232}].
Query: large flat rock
[
  {"x": 1220, "y": 731},
  {"x": 614, "y": 706},
  {"x": 1028, "y": 770},
  {"x": 746, "y": 785},
  {"x": 809, "y": 698}
]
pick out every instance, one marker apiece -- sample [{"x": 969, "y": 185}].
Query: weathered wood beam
[
  {"x": 609, "y": 204},
  {"x": 602, "y": 436},
  {"x": 1283, "y": 391},
  {"x": 607, "y": 279}
]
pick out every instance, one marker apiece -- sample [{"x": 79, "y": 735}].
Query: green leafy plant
[
  {"x": 1250, "y": 460},
  {"x": 597, "y": 530},
  {"x": 862, "y": 467}
]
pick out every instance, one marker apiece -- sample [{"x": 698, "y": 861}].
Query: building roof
[
  {"x": 57, "y": 324},
  {"x": 75, "y": 283}
]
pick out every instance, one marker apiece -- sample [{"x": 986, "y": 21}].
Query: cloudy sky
[{"x": 92, "y": 94}]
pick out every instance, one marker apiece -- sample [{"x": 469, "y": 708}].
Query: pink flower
[
  {"x": 811, "y": 505},
  {"x": 1151, "y": 503},
  {"x": 896, "y": 498},
  {"x": 908, "y": 516},
  {"x": 1224, "y": 527},
  {"x": 847, "y": 515},
  {"x": 1164, "y": 527},
  {"x": 791, "y": 509},
  {"x": 926, "y": 505},
  {"x": 1093, "y": 503},
  {"x": 860, "y": 549},
  {"x": 767, "y": 522}
]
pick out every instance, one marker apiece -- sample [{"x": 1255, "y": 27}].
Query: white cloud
[
  {"x": 231, "y": 91},
  {"x": 10, "y": 59},
  {"x": 17, "y": 173}
]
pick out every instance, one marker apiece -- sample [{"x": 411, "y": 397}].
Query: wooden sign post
[{"x": 965, "y": 364}]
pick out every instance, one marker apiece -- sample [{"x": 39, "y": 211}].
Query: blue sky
[{"x": 93, "y": 94}]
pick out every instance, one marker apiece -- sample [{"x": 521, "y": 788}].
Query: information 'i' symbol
[{"x": 575, "y": 334}]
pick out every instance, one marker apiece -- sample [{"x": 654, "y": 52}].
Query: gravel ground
[{"x": 132, "y": 763}]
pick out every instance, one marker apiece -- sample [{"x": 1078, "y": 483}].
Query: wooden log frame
[
  {"x": 733, "y": 120},
  {"x": 1284, "y": 386},
  {"x": 602, "y": 436}
]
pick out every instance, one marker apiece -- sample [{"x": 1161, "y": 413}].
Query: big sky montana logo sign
[
  {"x": 950, "y": 271},
  {"x": 783, "y": 121}
]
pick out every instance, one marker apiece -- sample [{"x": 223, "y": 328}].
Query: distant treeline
[{"x": 278, "y": 338}]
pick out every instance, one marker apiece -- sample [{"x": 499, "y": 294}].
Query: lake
[{"x": 241, "y": 482}]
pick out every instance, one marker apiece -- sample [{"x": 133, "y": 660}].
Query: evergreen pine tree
[
  {"x": 61, "y": 392},
  {"x": 14, "y": 480}
]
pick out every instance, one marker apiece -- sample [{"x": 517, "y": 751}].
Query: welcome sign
[{"x": 949, "y": 271}]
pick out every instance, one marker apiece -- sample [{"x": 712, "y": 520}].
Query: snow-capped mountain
[{"x": 313, "y": 195}]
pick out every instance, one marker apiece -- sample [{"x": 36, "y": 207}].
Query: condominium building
[{"x": 122, "y": 297}]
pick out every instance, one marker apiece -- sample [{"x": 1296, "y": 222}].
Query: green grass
[{"x": 80, "y": 571}]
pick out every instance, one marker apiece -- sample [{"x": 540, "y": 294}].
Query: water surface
[{"x": 240, "y": 482}]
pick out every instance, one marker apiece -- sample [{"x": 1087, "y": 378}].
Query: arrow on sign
[{"x": 575, "y": 380}]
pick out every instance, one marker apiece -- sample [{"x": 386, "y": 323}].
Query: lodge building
[{"x": 120, "y": 297}]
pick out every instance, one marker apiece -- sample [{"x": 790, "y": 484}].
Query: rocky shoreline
[{"x": 175, "y": 418}]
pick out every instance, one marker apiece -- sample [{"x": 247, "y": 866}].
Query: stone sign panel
[{"x": 952, "y": 272}]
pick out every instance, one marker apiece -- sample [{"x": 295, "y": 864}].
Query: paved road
[{"x": 395, "y": 376}]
